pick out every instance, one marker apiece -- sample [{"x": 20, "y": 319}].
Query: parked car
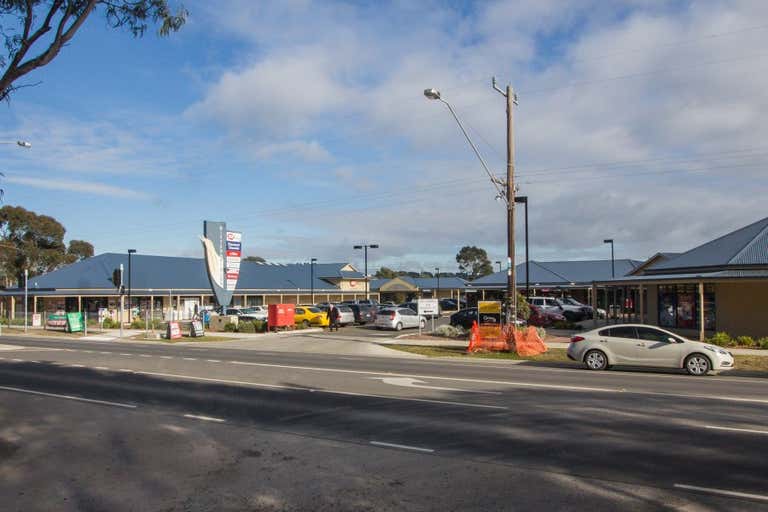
[
  {"x": 643, "y": 345},
  {"x": 254, "y": 313},
  {"x": 310, "y": 315},
  {"x": 346, "y": 316},
  {"x": 451, "y": 304},
  {"x": 364, "y": 313},
  {"x": 586, "y": 310},
  {"x": 541, "y": 317},
  {"x": 464, "y": 318},
  {"x": 571, "y": 312},
  {"x": 398, "y": 319}
]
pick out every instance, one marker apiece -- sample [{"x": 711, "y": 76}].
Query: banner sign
[
  {"x": 56, "y": 321},
  {"x": 428, "y": 307},
  {"x": 489, "y": 312},
  {"x": 37, "y": 320},
  {"x": 75, "y": 322},
  {"x": 174, "y": 331},
  {"x": 196, "y": 329},
  {"x": 223, "y": 251}
]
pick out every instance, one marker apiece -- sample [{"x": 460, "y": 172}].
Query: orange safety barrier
[{"x": 526, "y": 342}]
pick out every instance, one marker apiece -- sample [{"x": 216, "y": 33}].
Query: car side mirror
[{"x": 672, "y": 340}]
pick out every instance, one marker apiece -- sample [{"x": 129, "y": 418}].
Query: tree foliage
[
  {"x": 35, "y": 242},
  {"x": 386, "y": 273},
  {"x": 255, "y": 259},
  {"x": 35, "y": 31},
  {"x": 474, "y": 262}
]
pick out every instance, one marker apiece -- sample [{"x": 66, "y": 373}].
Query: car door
[
  {"x": 655, "y": 349},
  {"x": 409, "y": 317},
  {"x": 622, "y": 342}
]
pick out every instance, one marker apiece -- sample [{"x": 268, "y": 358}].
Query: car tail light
[{"x": 577, "y": 338}]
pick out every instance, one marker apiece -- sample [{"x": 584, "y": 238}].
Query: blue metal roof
[
  {"x": 745, "y": 246},
  {"x": 560, "y": 273},
  {"x": 165, "y": 272},
  {"x": 697, "y": 276},
  {"x": 424, "y": 283}
]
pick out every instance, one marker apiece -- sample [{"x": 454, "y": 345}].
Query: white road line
[
  {"x": 189, "y": 358},
  {"x": 76, "y": 365},
  {"x": 204, "y": 418},
  {"x": 100, "y": 368},
  {"x": 101, "y": 352},
  {"x": 166, "y": 357},
  {"x": 17, "y": 360},
  {"x": 746, "y": 430},
  {"x": 125, "y": 354},
  {"x": 403, "y": 447},
  {"x": 562, "y": 387},
  {"x": 87, "y": 351},
  {"x": 145, "y": 355},
  {"x": 125, "y": 370},
  {"x": 723, "y": 492},
  {"x": 213, "y": 360},
  {"x": 68, "y": 397},
  {"x": 330, "y": 392}
]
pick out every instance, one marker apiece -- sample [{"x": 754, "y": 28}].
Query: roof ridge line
[
  {"x": 723, "y": 236},
  {"x": 553, "y": 272}
]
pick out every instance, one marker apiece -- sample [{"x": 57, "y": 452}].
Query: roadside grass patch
[
  {"x": 750, "y": 363},
  {"x": 556, "y": 355}
]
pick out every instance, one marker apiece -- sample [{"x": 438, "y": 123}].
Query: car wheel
[
  {"x": 596, "y": 360},
  {"x": 422, "y": 323},
  {"x": 305, "y": 323},
  {"x": 399, "y": 326},
  {"x": 697, "y": 365}
]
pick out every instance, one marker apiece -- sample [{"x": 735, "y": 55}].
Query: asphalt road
[{"x": 125, "y": 426}]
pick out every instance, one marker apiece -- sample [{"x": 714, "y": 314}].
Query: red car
[{"x": 543, "y": 318}]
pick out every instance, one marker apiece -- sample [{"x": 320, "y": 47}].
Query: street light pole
[
  {"x": 511, "y": 98},
  {"x": 507, "y": 193},
  {"x": 312, "y": 262},
  {"x": 26, "y": 296},
  {"x": 613, "y": 275},
  {"x": 437, "y": 295},
  {"x": 130, "y": 302},
  {"x": 524, "y": 200},
  {"x": 365, "y": 248}
]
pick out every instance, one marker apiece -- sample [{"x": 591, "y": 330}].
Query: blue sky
[{"x": 303, "y": 124}]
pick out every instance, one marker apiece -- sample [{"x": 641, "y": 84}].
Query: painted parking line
[
  {"x": 68, "y": 397},
  {"x": 734, "y": 429},
  {"x": 723, "y": 492},
  {"x": 402, "y": 447},
  {"x": 204, "y": 418}
]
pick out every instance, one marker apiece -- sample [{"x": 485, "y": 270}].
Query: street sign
[
  {"x": 223, "y": 251},
  {"x": 428, "y": 307}
]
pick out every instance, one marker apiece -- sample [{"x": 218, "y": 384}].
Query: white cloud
[
  {"x": 309, "y": 151},
  {"x": 99, "y": 189}
]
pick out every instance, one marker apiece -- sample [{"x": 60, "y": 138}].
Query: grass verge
[{"x": 751, "y": 363}]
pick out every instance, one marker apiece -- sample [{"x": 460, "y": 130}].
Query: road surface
[{"x": 126, "y": 426}]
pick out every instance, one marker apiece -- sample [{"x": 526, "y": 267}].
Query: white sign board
[{"x": 428, "y": 307}]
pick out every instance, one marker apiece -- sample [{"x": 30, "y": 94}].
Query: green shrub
[
  {"x": 447, "y": 331},
  {"x": 230, "y": 327},
  {"x": 110, "y": 324},
  {"x": 745, "y": 341},
  {"x": 259, "y": 325},
  {"x": 721, "y": 339},
  {"x": 246, "y": 327},
  {"x": 542, "y": 332},
  {"x": 566, "y": 325},
  {"x": 138, "y": 324},
  {"x": 762, "y": 343}
]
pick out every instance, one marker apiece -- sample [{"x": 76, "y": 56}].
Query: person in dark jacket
[{"x": 333, "y": 317}]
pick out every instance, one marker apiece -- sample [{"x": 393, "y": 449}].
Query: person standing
[{"x": 333, "y": 317}]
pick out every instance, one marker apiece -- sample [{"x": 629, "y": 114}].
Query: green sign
[{"x": 75, "y": 322}]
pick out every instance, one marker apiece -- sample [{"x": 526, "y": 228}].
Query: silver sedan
[
  {"x": 644, "y": 345},
  {"x": 398, "y": 319}
]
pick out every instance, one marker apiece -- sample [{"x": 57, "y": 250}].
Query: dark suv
[{"x": 364, "y": 313}]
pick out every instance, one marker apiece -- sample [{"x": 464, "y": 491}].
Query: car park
[
  {"x": 644, "y": 345},
  {"x": 346, "y": 315},
  {"x": 571, "y": 312},
  {"x": 364, "y": 313},
  {"x": 398, "y": 319},
  {"x": 254, "y": 313},
  {"x": 541, "y": 317},
  {"x": 464, "y": 318},
  {"x": 310, "y": 315}
]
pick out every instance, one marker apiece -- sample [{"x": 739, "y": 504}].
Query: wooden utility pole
[{"x": 510, "y": 193}]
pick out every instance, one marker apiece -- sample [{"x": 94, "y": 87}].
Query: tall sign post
[{"x": 223, "y": 252}]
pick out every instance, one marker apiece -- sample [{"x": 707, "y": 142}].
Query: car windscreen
[{"x": 314, "y": 310}]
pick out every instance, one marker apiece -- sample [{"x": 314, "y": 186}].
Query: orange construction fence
[{"x": 525, "y": 342}]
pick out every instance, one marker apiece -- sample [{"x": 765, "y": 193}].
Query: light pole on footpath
[{"x": 365, "y": 248}]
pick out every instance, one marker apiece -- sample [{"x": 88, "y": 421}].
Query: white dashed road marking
[
  {"x": 732, "y": 429},
  {"x": 68, "y": 397},
  {"x": 403, "y": 447},
  {"x": 723, "y": 492},
  {"x": 204, "y": 418}
]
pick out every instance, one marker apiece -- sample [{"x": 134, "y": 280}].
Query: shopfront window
[{"x": 679, "y": 307}]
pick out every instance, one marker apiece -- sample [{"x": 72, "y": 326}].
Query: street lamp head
[
  {"x": 131, "y": 251},
  {"x": 313, "y": 260},
  {"x": 432, "y": 94},
  {"x": 521, "y": 199},
  {"x": 373, "y": 246},
  {"x": 608, "y": 241},
  {"x": 23, "y": 143},
  {"x": 357, "y": 246}
]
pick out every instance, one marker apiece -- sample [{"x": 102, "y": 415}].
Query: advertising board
[
  {"x": 428, "y": 307},
  {"x": 174, "y": 331}
]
